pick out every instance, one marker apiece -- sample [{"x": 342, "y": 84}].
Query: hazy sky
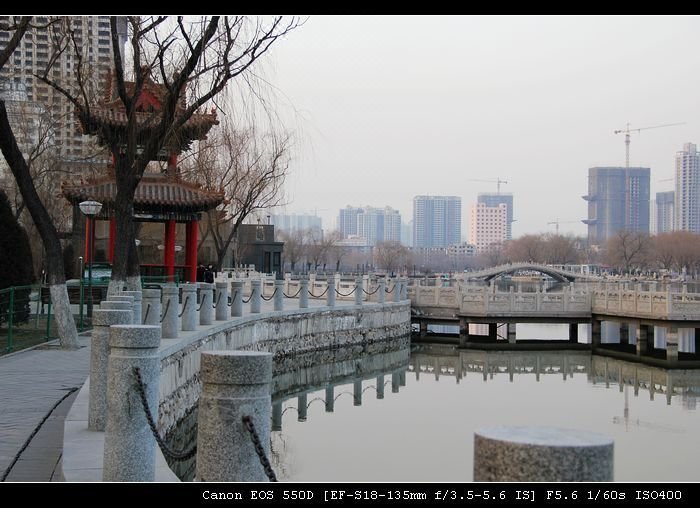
[{"x": 389, "y": 107}]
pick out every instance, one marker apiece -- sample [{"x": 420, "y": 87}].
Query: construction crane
[
  {"x": 557, "y": 222},
  {"x": 497, "y": 181},
  {"x": 627, "y": 131}
]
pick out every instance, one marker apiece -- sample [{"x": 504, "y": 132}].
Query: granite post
[
  {"x": 255, "y": 296},
  {"x": 138, "y": 297},
  {"x": 189, "y": 307},
  {"x": 330, "y": 296},
  {"x": 541, "y": 454},
  {"x": 130, "y": 448},
  {"x": 102, "y": 319},
  {"x": 358, "y": 291},
  {"x": 151, "y": 307},
  {"x": 237, "y": 298},
  {"x": 206, "y": 305},
  {"x": 279, "y": 295},
  {"x": 222, "y": 301},
  {"x": 171, "y": 309},
  {"x": 235, "y": 384},
  {"x": 304, "y": 293}
]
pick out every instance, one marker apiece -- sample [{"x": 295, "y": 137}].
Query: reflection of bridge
[
  {"x": 511, "y": 268},
  {"x": 319, "y": 375},
  {"x": 443, "y": 360},
  {"x": 639, "y": 313}
]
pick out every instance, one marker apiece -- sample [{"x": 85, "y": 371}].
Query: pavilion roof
[{"x": 155, "y": 192}]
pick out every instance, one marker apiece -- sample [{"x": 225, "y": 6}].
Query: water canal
[{"x": 421, "y": 429}]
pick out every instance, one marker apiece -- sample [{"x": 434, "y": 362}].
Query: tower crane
[
  {"x": 497, "y": 181},
  {"x": 627, "y": 131},
  {"x": 557, "y": 222}
]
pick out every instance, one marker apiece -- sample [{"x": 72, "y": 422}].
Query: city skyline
[{"x": 531, "y": 100}]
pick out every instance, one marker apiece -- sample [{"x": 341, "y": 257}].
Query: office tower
[
  {"x": 392, "y": 225},
  {"x": 493, "y": 200},
  {"x": 618, "y": 199},
  {"x": 665, "y": 203},
  {"x": 437, "y": 221},
  {"x": 489, "y": 226},
  {"x": 687, "y": 197}
]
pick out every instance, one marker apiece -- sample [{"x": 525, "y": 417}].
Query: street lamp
[{"x": 90, "y": 209}]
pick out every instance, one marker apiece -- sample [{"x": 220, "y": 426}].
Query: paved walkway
[{"x": 32, "y": 383}]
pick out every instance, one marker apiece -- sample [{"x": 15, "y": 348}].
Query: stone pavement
[{"x": 32, "y": 382}]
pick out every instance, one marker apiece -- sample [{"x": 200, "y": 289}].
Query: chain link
[
  {"x": 248, "y": 422},
  {"x": 167, "y": 306},
  {"x": 270, "y": 297},
  {"x": 148, "y": 309},
  {"x": 171, "y": 454},
  {"x": 351, "y": 292},
  {"x": 321, "y": 295},
  {"x": 184, "y": 306},
  {"x": 294, "y": 295}
]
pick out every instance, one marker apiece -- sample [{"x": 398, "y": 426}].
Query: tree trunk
[
  {"x": 125, "y": 267},
  {"x": 67, "y": 332}
]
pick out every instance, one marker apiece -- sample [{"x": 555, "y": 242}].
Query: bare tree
[
  {"x": 30, "y": 197},
  {"x": 391, "y": 256},
  {"x": 560, "y": 249},
  {"x": 525, "y": 248},
  {"x": 249, "y": 168},
  {"x": 336, "y": 252},
  {"x": 294, "y": 245},
  {"x": 628, "y": 250},
  {"x": 198, "y": 58}
]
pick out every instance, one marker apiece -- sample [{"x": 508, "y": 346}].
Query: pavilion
[{"x": 162, "y": 195}]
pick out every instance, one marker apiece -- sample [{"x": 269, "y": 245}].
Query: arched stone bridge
[{"x": 555, "y": 273}]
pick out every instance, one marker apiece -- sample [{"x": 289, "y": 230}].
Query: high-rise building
[
  {"x": 618, "y": 199},
  {"x": 93, "y": 36},
  {"x": 370, "y": 225},
  {"x": 687, "y": 197},
  {"x": 296, "y": 222},
  {"x": 392, "y": 225},
  {"x": 492, "y": 200},
  {"x": 373, "y": 224},
  {"x": 665, "y": 203},
  {"x": 437, "y": 221},
  {"x": 489, "y": 226},
  {"x": 347, "y": 220}
]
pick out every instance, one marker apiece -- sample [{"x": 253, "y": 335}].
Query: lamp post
[{"x": 90, "y": 209}]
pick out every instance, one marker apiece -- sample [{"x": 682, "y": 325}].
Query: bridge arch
[{"x": 555, "y": 273}]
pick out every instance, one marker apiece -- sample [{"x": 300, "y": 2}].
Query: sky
[{"x": 384, "y": 108}]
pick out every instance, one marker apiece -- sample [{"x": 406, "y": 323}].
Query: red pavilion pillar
[
  {"x": 112, "y": 236},
  {"x": 169, "y": 260},
  {"x": 191, "y": 250}
]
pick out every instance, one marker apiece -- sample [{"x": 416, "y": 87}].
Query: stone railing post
[
  {"x": 130, "y": 448},
  {"x": 189, "y": 307},
  {"x": 222, "y": 301},
  {"x": 541, "y": 454},
  {"x": 235, "y": 384},
  {"x": 304, "y": 293},
  {"x": 404, "y": 288},
  {"x": 237, "y": 298},
  {"x": 151, "y": 307},
  {"x": 137, "y": 296},
  {"x": 330, "y": 295},
  {"x": 279, "y": 295},
  {"x": 121, "y": 297},
  {"x": 102, "y": 319},
  {"x": 110, "y": 305},
  {"x": 171, "y": 309},
  {"x": 255, "y": 296},
  {"x": 206, "y": 304},
  {"x": 381, "y": 291},
  {"x": 397, "y": 290},
  {"x": 358, "y": 291},
  {"x": 380, "y": 386}
]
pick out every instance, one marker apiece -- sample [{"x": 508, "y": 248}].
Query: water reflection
[{"x": 426, "y": 432}]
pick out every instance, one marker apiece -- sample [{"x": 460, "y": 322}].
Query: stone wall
[{"x": 285, "y": 334}]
